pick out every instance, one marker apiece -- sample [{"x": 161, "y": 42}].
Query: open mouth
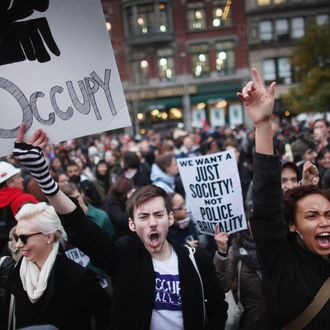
[
  {"x": 154, "y": 239},
  {"x": 323, "y": 240}
]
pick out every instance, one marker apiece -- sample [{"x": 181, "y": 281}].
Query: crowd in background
[{"x": 101, "y": 172}]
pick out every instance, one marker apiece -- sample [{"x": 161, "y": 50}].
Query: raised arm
[
  {"x": 259, "y": 103},
  {"x": 30, "y": 155},
  {"x": 268, "y": 227}
]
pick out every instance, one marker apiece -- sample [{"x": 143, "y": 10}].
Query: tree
[{"x": 311, "y": 60}]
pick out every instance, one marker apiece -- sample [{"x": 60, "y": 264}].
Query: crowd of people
[{"x": 97, "y": 233}]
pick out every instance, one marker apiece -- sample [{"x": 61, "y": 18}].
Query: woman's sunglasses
[{"x": 24, "y": 238}]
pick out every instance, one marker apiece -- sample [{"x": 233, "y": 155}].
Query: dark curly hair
[{"x": 292, "y": 197}]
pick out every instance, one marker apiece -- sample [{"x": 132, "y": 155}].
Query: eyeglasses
[{"x": 24, "y": 238}]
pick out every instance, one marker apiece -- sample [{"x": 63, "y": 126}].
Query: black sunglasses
[{"x": 24, "y": 238}]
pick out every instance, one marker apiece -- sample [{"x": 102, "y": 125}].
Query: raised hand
[
  {"x": 221, "y": 239},
  {"x": 38, "y": 139},
  {"x": 30, "y": 155},
  {"x": 310, "y": 174},
  {"x": 258, "y": 101}
]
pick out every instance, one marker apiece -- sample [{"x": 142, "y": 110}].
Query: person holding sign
[
  {"x": 294, "y": 256},
  {"x": 155, "y": 284},
  {"x": 236, "y": 262}
]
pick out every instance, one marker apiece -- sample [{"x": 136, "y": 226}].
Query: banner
[
  {"x": 57, "y": 71},
  {"x": 213, "y": 191}
]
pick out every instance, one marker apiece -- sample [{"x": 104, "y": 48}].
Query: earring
[{"x": 48, "y": 242}]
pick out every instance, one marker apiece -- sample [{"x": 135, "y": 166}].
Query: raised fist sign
[{"x": 21, "y": 40}]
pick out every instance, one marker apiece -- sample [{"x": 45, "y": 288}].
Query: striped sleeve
[{"x": 33, "y": 159}]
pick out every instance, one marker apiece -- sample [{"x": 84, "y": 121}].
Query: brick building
[{"x": 181, "y": 61}]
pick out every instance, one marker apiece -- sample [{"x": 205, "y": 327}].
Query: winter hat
[{"x": 7, "y": 171}]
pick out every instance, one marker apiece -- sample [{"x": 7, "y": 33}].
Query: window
[
  {"x": 196, "y": 18},
  {"x": 266, "y": 31},
  {"x": 140, "y": 71},
  {"x": 264, "y": 2},
  {"x": 165, "y": 62},
  {"x": 131, "y": 25},
  {"x": 163, "y": 17},
  {"x": 284, "y": 71},
  {"x": 270, "y": 2},
  {"x": 269, "y": 70},
  {"x": 145, "y": 18},
  {"x": 322, "y": 19},
  {"x": 200, "y": 60},
  {"x": 225, "y": 57},
  {"x": 297, "y": 27},
  {"x": 282, "y": 29},
  {"x": 277, "y": 69},
  {"x": 221, "y": 16}
]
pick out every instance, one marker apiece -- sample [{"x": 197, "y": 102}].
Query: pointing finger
[
  {"x": 257, "y": 77},
  {"x": 20, "y": 133},
  {"x": 271, "y": 89},
  {"x": 216, "y": 229}
]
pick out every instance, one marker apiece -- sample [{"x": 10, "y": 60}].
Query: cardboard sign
[
  {"x": 213, "y": 191},
  {"x": 57, "y": 71}
]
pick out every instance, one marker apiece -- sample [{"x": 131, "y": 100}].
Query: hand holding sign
[
  {"x": 31, "y": 156},
  {"x": 221, "y": 239},
  {"x": 38, "y": 139}
]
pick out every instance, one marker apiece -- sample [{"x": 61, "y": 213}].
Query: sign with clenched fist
[{"x": 57, "y": 71}]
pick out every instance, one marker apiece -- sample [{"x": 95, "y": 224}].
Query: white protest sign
[
  {"x": 57, "y": 71},
  {"x": 78, "y": 256},
  {"x": 213, "y": 191}
]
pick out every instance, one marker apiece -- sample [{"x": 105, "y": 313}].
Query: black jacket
[
  {"x": 130, "y": 266},
  {"x": 116, "y": 209},
  {"x": 291, "y": 275},
  {"x": 72, "y": 296}
]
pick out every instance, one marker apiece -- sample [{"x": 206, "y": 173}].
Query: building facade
[
  {"x": 181, "y": 61},
  {"x": 274, "y": 27}
]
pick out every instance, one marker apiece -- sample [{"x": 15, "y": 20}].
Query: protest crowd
[{"x": 97, "y": 232}]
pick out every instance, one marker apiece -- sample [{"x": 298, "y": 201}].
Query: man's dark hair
[
  {"x": 321, "y": 119},
  {"x": 291, "y": 165},
  {"x": 121, "y": 187},
  {"x": 131, "y": 160},
  {"x": 293, "y": 196},
  {"x": 164, "y": 161},
  {"x": 145, "y": 194},
  {"x": 231, "y": 143},
  {"x": 71, "y": 163}
]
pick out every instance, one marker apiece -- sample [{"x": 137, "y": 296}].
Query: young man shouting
[{"x": 155, "y": 284}]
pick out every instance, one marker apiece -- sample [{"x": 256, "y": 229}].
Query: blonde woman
[{"x": 45, "y": 286}]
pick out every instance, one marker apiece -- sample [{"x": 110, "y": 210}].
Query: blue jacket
[{"x": 161, "y": 179}]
